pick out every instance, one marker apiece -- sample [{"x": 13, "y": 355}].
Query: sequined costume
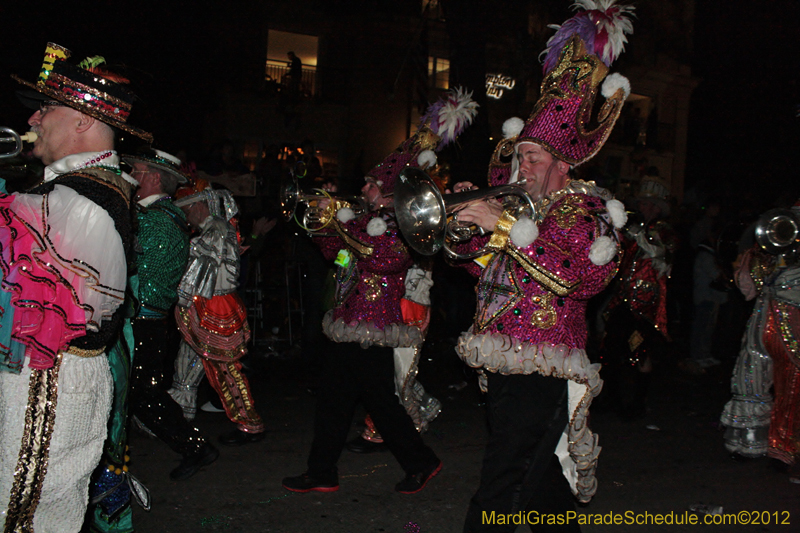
[
  {"x": 636, "y": 315},
  {"x": 366, "y": 325},
  {"x": 78, "y": 224},
  {"x": 419, "y": 404},
  {"x": 213, "y": 323},
  {"x": 163, "y": 238},
  {"x": 644, "y": 271},
  {"x": 757, "y": 423},
  {"x": 531, "y": 312}
]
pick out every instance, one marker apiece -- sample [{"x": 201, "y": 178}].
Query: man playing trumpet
[
  {"x": 367, "y": 322},
  {"x": 529, "y": 334}
]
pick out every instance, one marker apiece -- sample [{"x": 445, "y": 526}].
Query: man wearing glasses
[{"x": 65, "y": 245}]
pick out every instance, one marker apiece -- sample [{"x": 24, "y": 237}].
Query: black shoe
[
  {"x": 237, "y": 438},
  {"x": 414, "y": 483},
  {"x": 362, "y": 445},
  {"x": 192, "y": 463},
  {"x": 307, "y": 483}
]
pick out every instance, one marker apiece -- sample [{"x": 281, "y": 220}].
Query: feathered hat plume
[
  {"x": 602, "y": 26},
  {"x": 576, "y": 61},
  {"x": 441, "y": 124}
]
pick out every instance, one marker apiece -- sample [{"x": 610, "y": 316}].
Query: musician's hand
[
  {"x": 484, "y": 213},
  {"x": 263, "y": 225},
  {"x": 324, "y": 203},
  {"x": 329, "y": 187},
  {"x": 461, "y": 186}
]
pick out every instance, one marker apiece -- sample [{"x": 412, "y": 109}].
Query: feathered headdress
[
  {"x": 441, "y": 124},
  {"x": 576, "y": 61}
]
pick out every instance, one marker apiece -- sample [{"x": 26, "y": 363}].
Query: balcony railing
[{"x": 279, "y": 74}]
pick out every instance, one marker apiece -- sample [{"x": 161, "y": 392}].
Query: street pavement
[{"x": 656, "y": 467}]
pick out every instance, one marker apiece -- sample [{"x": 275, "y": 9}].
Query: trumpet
[
  {"x": 778, "y": 231},
  {"x": 316, "y": 217},
  {"x": 423, "y": 212},
  {"x": 7, "y": 135}
]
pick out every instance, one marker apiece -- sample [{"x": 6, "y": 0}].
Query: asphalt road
[{"x": 656, "y": 467}]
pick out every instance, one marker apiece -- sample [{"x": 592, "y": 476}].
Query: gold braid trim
[
  {"x": 360, "y": 248},
  {"x": 34, "y": 451},
  {"x": 109, "y": 179},
  {"x": 499, "y": 239},
  {"x": 81, "y": 352},
  {"x": 548, "y": 280}
]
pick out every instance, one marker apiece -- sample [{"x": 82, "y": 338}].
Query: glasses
[{"x": 47, "y": 105}]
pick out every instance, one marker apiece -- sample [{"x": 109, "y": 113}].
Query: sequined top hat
[
  {"x": 576, "y": 61},
  {"x": 160, "y": 160},
  {"x": 442, "y": 123},
  {"x": 85, "y": 87}
]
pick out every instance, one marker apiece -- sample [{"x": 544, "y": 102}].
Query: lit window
[
  {"x": 439, "y": 72},
  {"x": 279, "y": 45}
]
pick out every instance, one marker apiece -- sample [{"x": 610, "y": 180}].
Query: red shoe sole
[
  {"x": 433, "y": 474},
  {"x": 315, "y": 489}
]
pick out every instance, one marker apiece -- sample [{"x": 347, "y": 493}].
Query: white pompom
[
  {"x": 426, "y": 158},
  {"x": 613, "y": 83},
  {"x": 603, "y": 250},
  {"x": 617, "y": 212},
  {"x": 345, "y": 214},
  {"x": 376, "y": 226},
  {"x": 512, "y": 127},
  {"x": 523, "y": 232}
]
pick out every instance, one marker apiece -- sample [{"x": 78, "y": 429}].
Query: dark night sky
[{"x": 743, "y": 130}]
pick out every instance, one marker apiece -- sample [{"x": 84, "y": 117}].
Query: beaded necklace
[{"x": 96, "y": 162}]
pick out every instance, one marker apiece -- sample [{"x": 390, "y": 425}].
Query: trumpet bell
[
  {"x": 778, "y": 231},
  {"x": 420, "y": 210}
]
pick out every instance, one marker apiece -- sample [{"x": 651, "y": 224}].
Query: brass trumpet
[
  {"x": 315, "y": 217},
  {"x": 778, "y": 231},
  {"x": 423, "y": 212},
  {"x": 7, "y": 135}
]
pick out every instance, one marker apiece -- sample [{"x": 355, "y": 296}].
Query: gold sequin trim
[
  {"x": 360, "y": 248},
  {"x": 545, "y": 317},
  {"x": 34, "y": 451},
  {"x": 80, "y": 352},
  {"x": 548, "y": 280}
]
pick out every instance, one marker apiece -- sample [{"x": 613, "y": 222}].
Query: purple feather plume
[
  {"x": 600, "y": 24},
  {"x": 450, "y": 115}
]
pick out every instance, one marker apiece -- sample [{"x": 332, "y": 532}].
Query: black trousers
[
  {"x": 150, "y": 378},
  {"x": 527, "y": 415},
  {"x": 353, "y": 374}
]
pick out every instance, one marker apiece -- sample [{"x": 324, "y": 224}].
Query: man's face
[
  {"x": 196, "y": 213},
  {"x": 373, "y": 196},
  {"x": 543, "y": 172},
  {"x": 148, "y": 180},
  {"x": 55, "y": 125}
]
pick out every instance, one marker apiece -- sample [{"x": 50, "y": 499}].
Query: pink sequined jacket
[
  {"x": 368, "y": 287},
  {"x": 531, "y": 314}
]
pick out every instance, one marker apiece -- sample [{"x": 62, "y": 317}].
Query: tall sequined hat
[
  {"x": 576, "y": 62},
  {"x": 161, "y": 160},
  {"x": 442, "y": 123},
  {"x": 87, "y": 87}
]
